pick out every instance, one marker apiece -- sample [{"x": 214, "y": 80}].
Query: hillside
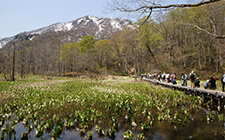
[
  {"x": 106, "y": 46},
  {"x": 99, "y": 28}
]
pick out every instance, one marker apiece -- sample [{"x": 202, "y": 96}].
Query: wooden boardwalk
[{"x": 213, "y": 95}]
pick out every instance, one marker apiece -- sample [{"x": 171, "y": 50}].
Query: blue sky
[{"x": 25, "y": 15}]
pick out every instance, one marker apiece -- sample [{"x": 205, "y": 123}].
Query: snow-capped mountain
[
  {"x": 4, "y": 41},
  {"x": 98, "y": 27}
]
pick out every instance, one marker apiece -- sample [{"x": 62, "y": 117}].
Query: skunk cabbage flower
[
  {"x": 134, "y": 124},
  {"x": 127, "y": 135}
]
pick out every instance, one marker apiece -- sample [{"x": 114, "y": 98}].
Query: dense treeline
[{"x": 179, "y": 40}]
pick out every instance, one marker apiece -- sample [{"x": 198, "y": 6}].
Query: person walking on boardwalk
[
  {"x": 206, "y": 84},
  {"x": 160, "y": 76},
  {"x": 167, "y": 76},
  {"x": 192, "y": 77},
  {"x": 223, "y": 82},
  {"x": 184, "y": 78},
  {"x": 197, "y": 82},
  {"x": 212, "y": 83},
  {"x": 164, "y": 77}
]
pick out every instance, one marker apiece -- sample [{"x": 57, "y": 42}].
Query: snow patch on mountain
[
  {"x": 4, "y": 41},
  {"x": 88, "y": 25},
  {"x": 69, "y": 25},
  {"x": 116, "y": 25}
]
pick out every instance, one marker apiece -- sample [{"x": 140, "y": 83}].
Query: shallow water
[
  {"x": 196, "y": 127},
  {"x": 160, "y": 130}
]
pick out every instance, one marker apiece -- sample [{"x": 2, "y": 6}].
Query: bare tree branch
[
  {"x": 212, "y": 34},
  {"x": 147, "y": 6},
  {"x": 143, "y": 5},
  {"x": 146, "y": 18}
]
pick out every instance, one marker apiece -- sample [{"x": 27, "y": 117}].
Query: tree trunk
[
  {"x": 77, "y": 67},
  {"x": 59, "y": 69},
  {"x": 59, "y": 62},
  {"x": 22, "y": 63},
  {"x": 199, "y": 58},
  {"x": 220, "y": 53},
  {"x": 152, "y": 54},
  {"x": 126, "y": 69},
  {"x": 13, "y": 63},
  {"x": 210, "y": 57},
  {"x": 73, "y": 72},
  {"x": 171, "y": 55},
  {"x": 217, "y": 56},
  {"x": 204, "y": 55},
  {"x": 77, "y": 72},
  {"x": 135, "y": 71},
  {"x": 138, "y": 67},
  {"x": 105, "y": 67},
  {"x": 217, "y": 65},
  {"x": 4, "y": 72}
]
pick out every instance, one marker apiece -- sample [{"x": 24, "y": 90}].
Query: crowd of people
[{"x": 195, "y": 82}]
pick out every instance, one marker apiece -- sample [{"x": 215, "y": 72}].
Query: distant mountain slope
[{"x": 98, "y": 27}]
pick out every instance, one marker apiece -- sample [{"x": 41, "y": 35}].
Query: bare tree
[
  {"x": 143, "y": 7},
  {"x": 146, "y": 6}
]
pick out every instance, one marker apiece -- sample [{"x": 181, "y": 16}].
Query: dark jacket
[
  {"x": 197, "y": 83},
  {"x": 212, "y": 82}
]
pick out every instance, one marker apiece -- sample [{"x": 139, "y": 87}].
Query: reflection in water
[
  {"x": 196, "y": 127},
  {"x": 184, "y": 122}
]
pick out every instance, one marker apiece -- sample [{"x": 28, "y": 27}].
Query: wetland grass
[{"x": 103, "y": 109}]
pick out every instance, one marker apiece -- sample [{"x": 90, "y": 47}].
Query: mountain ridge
[{"x": 98, "y": 27}]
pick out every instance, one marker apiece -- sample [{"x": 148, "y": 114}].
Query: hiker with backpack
[
  {"x": 164, "y": 77},
  {"x": 167, "y": 76},
  {"x": 154, "y": 76},
  {"x": 192, "y": 77},
  {"x": 223, "y": 82},
  {"x": 184, "y": 78},
  {"x": 150, "y": 76},
  {"x": 206, "y": 84},
  {"x": 212, "y": 83},
  {"x": 197, "y": 83},
  {"x": 173, "y": 78}
]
